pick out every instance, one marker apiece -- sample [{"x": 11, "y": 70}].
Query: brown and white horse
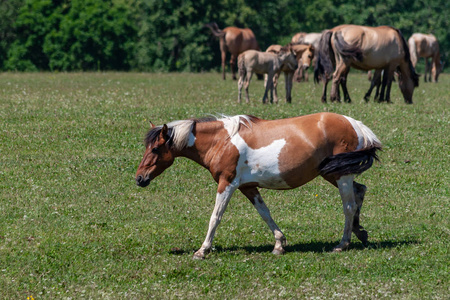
[
  {"x": 304, "y": 55},
  {"x": 234, "y": 40},
  {"x": 246, "y": 153},
  {"x": 426, "y": 46},
  {"x": 365, "y": 48}
]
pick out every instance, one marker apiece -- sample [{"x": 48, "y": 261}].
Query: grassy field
[{"x": 74, "y": 225}]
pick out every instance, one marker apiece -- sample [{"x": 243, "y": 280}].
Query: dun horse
[
  {"x": 252, "y": 61},
  {"x": 234, "y": 40},
  {"x": 312, "y": 38},
  {"x": 246, "y": 153},
  {"x": 365, "y": 48},
  {"x": 304, "y": 55},
  {"x": 426, "y": 46}
]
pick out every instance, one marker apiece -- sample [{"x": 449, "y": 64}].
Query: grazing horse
[
  {"x": 426, "y": 46},
  {"x": 234, "y": 40},
  {"x": 246, "y": 153},
  {"x": 252, "y": 61},
  {"x": 365, "y": 48},
  {"x": 312, "y": 38},
  {"x": 304, "y": 55}
]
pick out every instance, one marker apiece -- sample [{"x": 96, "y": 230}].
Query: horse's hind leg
[
  {"x": 255, "y": 198},
  {"x": 246, "y": 84},
  {"x": 427, "y": 70},
  {"x": 345, "y": 185},
  {"x": 358, "y": 230},
  {"x": 233, "y": 65}
]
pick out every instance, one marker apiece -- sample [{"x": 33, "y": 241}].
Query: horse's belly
[{"x": 264, "y": 179}]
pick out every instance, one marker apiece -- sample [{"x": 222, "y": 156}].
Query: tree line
[{"x": 169, "y": 35}]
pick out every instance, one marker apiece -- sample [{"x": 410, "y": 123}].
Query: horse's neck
[{"x": 206, "y": 136}]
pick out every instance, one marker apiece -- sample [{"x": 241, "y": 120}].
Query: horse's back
[
  {"x": 426, "y": 44},
  {"x": 379, "y": 45},
  {"x": 313, "y": 130},
  {"x": 307, "y": 141}
]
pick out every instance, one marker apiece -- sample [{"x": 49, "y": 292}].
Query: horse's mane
[
  {"x": 178, "y": 131},
  {"x": 414, "y": 75}
]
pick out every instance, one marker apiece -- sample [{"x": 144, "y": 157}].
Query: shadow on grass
[{"x": 315, "y": 247}]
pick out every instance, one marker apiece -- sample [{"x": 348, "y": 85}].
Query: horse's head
[
  {"x": 408, "y": 79},
  {"x": 307, "y": 57},
  {"x": 158, "y": 155}
]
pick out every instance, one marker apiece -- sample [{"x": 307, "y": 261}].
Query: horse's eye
[{"x": 155, "y": 150}]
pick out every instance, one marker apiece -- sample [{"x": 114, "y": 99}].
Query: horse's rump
[{"x": 347, "y": 50}]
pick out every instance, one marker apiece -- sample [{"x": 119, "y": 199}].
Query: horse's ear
[
  {"x": 152, "y": 125},
  {"x": 164, "y": 131}
]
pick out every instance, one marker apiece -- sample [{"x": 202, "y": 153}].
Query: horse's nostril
[{"x": 139, "y": 179}]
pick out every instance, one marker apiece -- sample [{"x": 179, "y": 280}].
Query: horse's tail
[
  {"x": 414, "y": 75},
  {"x": 348, "y": 163},
  {"x": 241, "y": 66},
  {"x": 346, "y": 50},
  {"x": 324, "y": 64},
  {"x": 412, "y": 50},
  {"x": 215, "y": 29},
  {"x": 357, "y": 161}
]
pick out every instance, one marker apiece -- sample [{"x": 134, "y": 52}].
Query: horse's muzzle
[{"x": 142, "y": 182}]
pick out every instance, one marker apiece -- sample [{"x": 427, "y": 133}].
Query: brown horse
[
  {"x": 426, "y": 46},
  {"x": 234, "y": 40},
  {"x": 252, "y": 61},
  {"x": 247, "y": 153},
  {"x": 312, "y": 38},
  {"x": 365, "y": 48},
  {"x": 304, "y": 55}
]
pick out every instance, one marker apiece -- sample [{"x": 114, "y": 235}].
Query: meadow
[{"x": 74, "y": 225}]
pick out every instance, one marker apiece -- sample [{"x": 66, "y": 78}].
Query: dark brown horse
[
  {"x": 247, "y": 153},
  {"x": 426, "y": 46},
  {"x": 234, "y": 40},
  {"x": 365, "y": 48}
]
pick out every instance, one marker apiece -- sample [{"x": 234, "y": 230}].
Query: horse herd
[
  {"x": 245, "y": 153},
  {"x": 332, "y": 52}
]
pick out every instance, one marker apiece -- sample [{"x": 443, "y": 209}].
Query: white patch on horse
[{"x": 257, "y": 165}]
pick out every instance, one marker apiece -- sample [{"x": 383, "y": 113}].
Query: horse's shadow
[{"x": 314, "y": 247}]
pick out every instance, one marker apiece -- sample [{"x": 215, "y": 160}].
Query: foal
[{"x": 252, "y": 61}]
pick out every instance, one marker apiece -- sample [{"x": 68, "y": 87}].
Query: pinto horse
[
  {"x": 365, "y": 48},
  {"x": 234, "y": 40},
  {"x": 426, "y": 46},
  {"x": 246, "y": 153}
]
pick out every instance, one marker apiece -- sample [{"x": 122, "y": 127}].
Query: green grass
[{"x": 73, "y": 224}]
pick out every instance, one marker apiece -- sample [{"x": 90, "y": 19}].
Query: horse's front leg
[
  {"x": 222, "y": 200},
  {"x": 288, "y": 77},
  {"x": 255, "y": 198},
  {"x": 345, "y": 185},
  {"x": 274, "y": 97},
  {"x": 269, "y": 86}
]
